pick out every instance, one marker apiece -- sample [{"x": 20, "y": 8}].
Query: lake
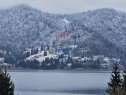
[{"x": 39, "y": 82}]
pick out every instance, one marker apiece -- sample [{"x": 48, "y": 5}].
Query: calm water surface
[{"x": 60, "y": 82}]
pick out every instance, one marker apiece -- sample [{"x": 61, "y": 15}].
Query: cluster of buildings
[{"x": 58, "y": 53}]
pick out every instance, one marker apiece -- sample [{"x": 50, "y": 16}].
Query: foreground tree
[
  {"x": 124, "y": 81},
  {"x": 6, "y": 85},
  {"x": 114, "y": 86}
]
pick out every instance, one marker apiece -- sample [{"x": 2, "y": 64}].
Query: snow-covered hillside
[
  {"x": 100, "y": 31},
  {"x": 109, "y": 22},
  {"x": 40, "y": 56}
]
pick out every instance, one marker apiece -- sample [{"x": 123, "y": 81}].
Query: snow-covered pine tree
[
  {"x": 124, "y": 80},
  {"x": 114, "y": 86},
  {"x": 6, "y": 85}
]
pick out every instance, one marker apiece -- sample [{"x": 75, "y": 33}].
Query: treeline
[
  {"x": 58, "y": 63},
  {"x": 34, "y": 51},
  {"x": 12, "y": 58},
  {"x": 31, "y": 52}
]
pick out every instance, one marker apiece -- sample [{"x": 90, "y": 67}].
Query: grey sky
[{"x": 66, "y": 6}]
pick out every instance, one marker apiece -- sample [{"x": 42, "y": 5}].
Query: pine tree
[
  {"x": 45, "y": 53},
  {"x": 115, "y": 81},
  {"x": 124, "y": 81},
  {"x": 6, "y": 85},
  {"x": 42, "y": 47}
]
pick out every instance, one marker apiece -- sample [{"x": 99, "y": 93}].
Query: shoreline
[
  {"x": 78, "y": 69},
  {"x": 62, "y": 70}
]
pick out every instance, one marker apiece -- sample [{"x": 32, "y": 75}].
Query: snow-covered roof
[
  {"x": 106, "y": 59},
  {"x": 40, "y": 59}
]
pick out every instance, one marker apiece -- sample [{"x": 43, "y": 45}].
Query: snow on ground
[
  {"x": 73, "y": 46},
  {"x": 66, "y": 21},
  {"x": 40, "y": 59},
  {"x": 40, "y": 56}
]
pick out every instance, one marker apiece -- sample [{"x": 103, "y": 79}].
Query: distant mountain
[
  {"x": 24, "y": 25},
  {"x": 108, "y": 22},
  {"x": 100, "y": 31},
  {"x": 90, "y": 41}
]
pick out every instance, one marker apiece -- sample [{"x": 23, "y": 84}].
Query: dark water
[{"x": 60, "y": 82}]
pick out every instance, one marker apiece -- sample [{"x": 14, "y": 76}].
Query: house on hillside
[{"x": 100, "y": 57}]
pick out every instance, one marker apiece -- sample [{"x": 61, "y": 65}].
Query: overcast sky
[{"x": 66, "y": 6}]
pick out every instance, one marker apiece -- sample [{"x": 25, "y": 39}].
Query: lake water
[{"x": 60, "y": 82}]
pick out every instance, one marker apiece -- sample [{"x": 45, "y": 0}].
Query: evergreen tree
[
  {"x": 1, "y": 54},
  {"x": 45, "y": 53},
  {"x": 51, "y": 63},
  {"x": 42, "y": 47},
  {"x": 36, "y": 51},
  {"x": 115, "y": 81},
  {"x": 124, "y": 81},
  {"x": 98, "y": 63},
  {"x": 6, "y": 85},
  {"x": 43, "y": 65},
  {"x": 32, "y": 51},
  {"x": 62, "y": 64}
]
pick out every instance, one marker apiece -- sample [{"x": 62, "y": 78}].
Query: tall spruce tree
[
  {"x": 124, "y": 80},
  {"x": 6, "y": 85},
  {"x": 114, "y": 86}
]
